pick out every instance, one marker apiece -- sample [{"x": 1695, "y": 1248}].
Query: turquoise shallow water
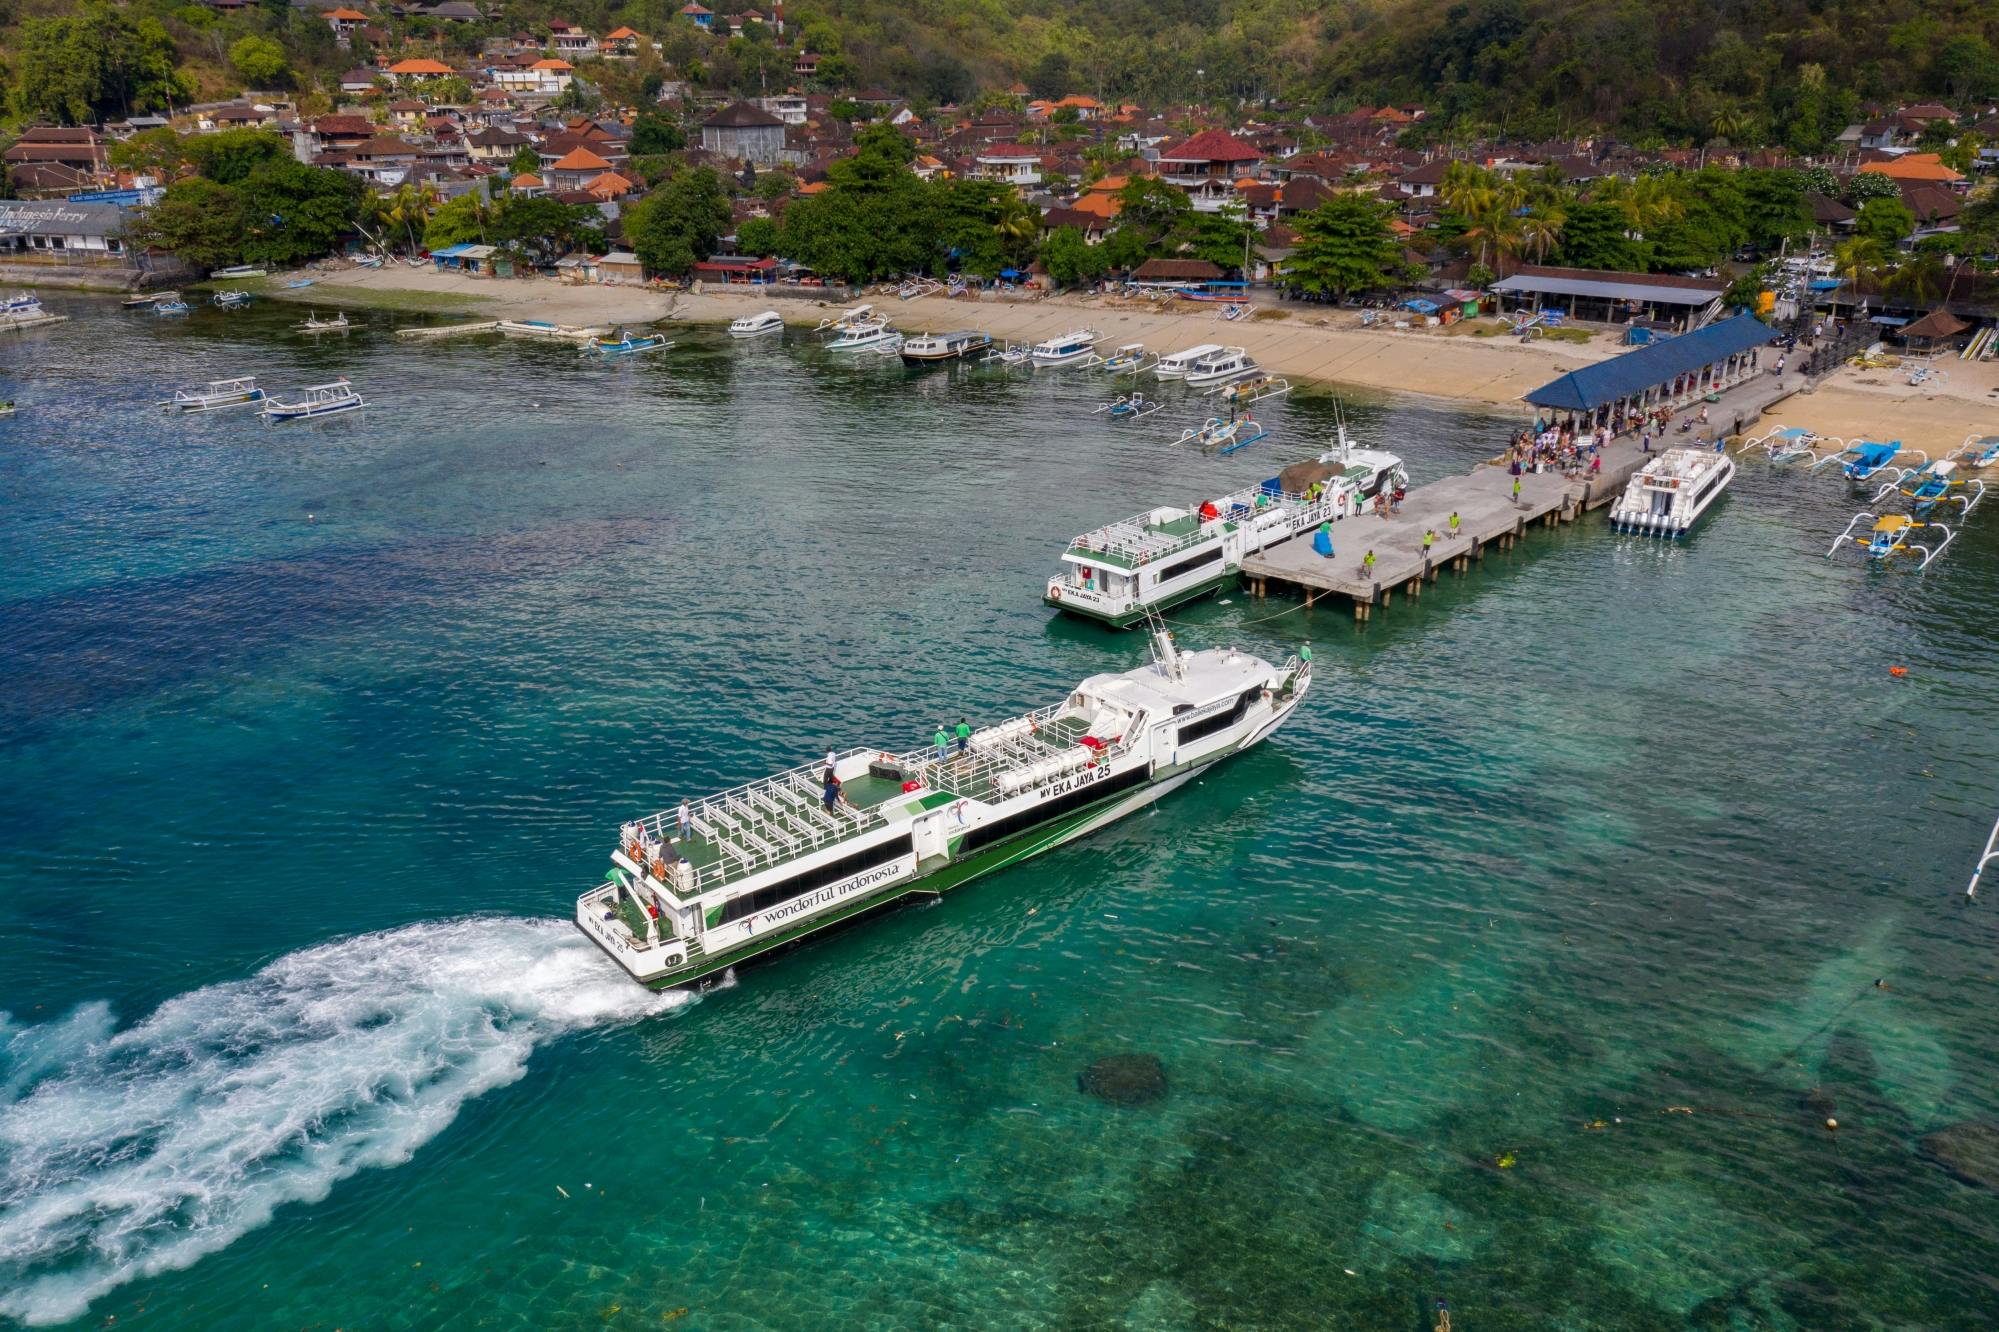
[{"x": 1587, "y": 862}]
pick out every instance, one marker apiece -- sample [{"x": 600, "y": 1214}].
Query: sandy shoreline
[{"x": 1310, "y": 343}]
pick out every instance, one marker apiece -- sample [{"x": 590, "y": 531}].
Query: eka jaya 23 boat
[{"x": 771, "y": 862}]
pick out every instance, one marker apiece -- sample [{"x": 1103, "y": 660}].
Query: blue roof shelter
[{"x": 1693, "y": 364}]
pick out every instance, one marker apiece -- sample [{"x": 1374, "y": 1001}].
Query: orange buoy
[{"x": 1898, "y": 671}]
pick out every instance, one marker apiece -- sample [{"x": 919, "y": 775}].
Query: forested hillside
[{"x": 1787, "y": 72}]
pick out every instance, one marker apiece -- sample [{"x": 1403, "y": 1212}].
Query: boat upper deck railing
[{"x": 1139, "y": 540}]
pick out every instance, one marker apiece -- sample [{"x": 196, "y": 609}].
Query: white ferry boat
[
  {"x": 1078, "y": 344},
  {"x": 1177, "y": 365},
  {"x": 953, "y": 346},
  {"x": 775, "y": 860},
  {"x": 1122, "y": 572},
  {"x": 756, "y": 325},
  {"x": 217, "y": 394},
  {"x": 1670, "y": 493},
  {"x": 1220, "y": 367},
  {"x": 873, "y": 334},
  {"x": 319, "y": 400}
]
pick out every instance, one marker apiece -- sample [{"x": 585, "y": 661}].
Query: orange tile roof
[
  {"x": 349, "y": 15},
  {"x": 581, "y": 159},
  {"x": 619, "y": 34},
  {"x": 527, "y": 180},
  {"x": 419, "y": 67},
  {"x": 1915, "y": 166},
  {"x": 551, "y": 64}
]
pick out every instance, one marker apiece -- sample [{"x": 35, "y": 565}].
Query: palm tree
[
  {"x": 409, "y": 208},
  {"x": 1918, "y": 278},
  {"x": 1859, "y": 258},
  {"x": 1014, "y": 222},
  {"x": 1728, "y": 125},
  {"x": 1540, "y": 229}
]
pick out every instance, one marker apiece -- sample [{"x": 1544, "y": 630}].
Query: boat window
[
  {"x": 1220, "y": 721},
  {"x": 1191, "y": 563},
  {"x": 867, "y": 858},
  {"x": 1035, "y": 815}
]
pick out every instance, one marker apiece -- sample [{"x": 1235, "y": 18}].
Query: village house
[
  {"x": 788, "y": 107},
  {"x": 1206, "y": 167},
  {"x": 60, "y": 232},
  {"x": 357, "y": 81},
  {"x": 49, "y": 160},
  {"x": 418, "y": 69},
  {"x": 1016, "y": 164},
  {"x": 570, "y": 41},
  {"x": 542, "y": 79},
  {"x": 621, "y": 44},
  {"x": 699, "y": 17},
  {"x": 494, "y": 146},
  {"x": 345, "y": 23},
  {"x": 1918, "y": 168},
  {"x": 744, "y": 132},
  {"x": 574, "y": 169},
  {"x": 805, "y": 64}
]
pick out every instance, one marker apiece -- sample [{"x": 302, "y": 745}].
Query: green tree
[
  {"x": 1867, "y": 185},
  {"x": 229, "y": 156},
  {"x": 541, "y": 231},
  {"x": 95, "y": 64},
  {"x": 1124, "y": 249},
  {"x": 527, "y": 161},
  {"x": 458, "y": 221},
  {"x": 293, "y": 212},
  {"x": 757, "y": 236},
  {"x": 259, "y": 60},
  {"x": 655, "y": 135},
  {"x": 197, "y": 221},
  {"x": 1153, "y": 207},
  {"x": 1344, "y": 245},
  {"x": 1051, "y": 75},
  {"x": 677, "y": 226},
  {"x": 1596, "y": 235},
  {"x": 159, "y": 153},
  {"x": 1070, "y": 258},
  {"x": 874, "y": 219},
  {"x": 1884, "y": 221}
]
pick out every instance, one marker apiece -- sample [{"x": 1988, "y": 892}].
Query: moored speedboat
[
  {"x": 952, "y": 346},
  {"x": 1220, "y": 367},
  {"x": 1072, "y": 347},
  {"x": 319, "y": 400},
  {"x": 217, "y": 394},
  {"x": 1177, "y": 365},
  {"x": 1670, "y": 493},
  {"x": 756, "y": 325},
  {"x": 775, "y": 860},
  {"x": 870, "y": 335}
]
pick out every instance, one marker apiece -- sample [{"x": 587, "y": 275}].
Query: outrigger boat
[
  {"x": 1177, "y": 365},
  {"x": 1255, "y": 389},
  {"x": 1791, "y": 444},
  {"x": 1130, "y": 407},
  {"x": 1124, "y": 571},
  {"x": 217, "y": 394},
  {"x": 1220, "y": 436},
  {"x": 1220, "y": 367},
  {"x": 1670, "y": 493},
  {"x": 170, "y": 307},
  {"x": 314, "y": 324},
  {"x": 1130, "y": 359},
  {"x": 952, "y": 346},
  {"x": 1076, "y": 347},
  {"x": 140, "y": 299},
  {"x": 230, "y": 300},
  {"x": 1007, "y": 355},
  {"x": 1977, "y": 451},
  {"x": 1892, "y": 534},
  {"x": 756, "y": 325},
  {"x": 840, "y": 323},
  {"x": 773, "y": 861},
  {"x": 1861, "y": 461},
  {"x": 627, "y": 345},
  {"x": 1934, "y": 484},
  {"x": 320, "y": 400}
]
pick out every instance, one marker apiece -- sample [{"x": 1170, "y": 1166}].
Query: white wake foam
[{"x": 128, "y": 1153}]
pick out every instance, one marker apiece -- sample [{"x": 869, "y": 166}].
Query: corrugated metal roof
[
  {"x": 1632, "y": 373},
  {"x": 1595, "y": 289}
]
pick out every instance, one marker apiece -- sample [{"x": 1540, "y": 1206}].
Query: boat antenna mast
[
  {"x": 1164, "y": 655},
  {"x": 1340, "y": 429}
]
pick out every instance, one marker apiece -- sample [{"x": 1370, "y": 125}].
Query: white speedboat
[
  {"x": 1670, "y": 493},
  {"x": 953, "y": 346},
  {"x": 319, "y": 400},
  {"x": 1220, "y": 367},
  {"x": 1076, "y": 345},
  {"x": 217, "y": 394},
  {"x": 756, "y": 325},
  {"x": 1127, "y": 570},
  {"x": 867, "y": 336},
  {"x": 778, "y": 859},
  {"x": 1177, "y": 365}
]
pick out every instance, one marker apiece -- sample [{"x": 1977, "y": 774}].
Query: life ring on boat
[{"x": 1054, "y": 594}]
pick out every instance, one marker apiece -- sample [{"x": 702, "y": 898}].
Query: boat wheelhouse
[
  {"x": 1126, "y": 570},
  {"x": 872, "y": 335},
  {"x": 217, "y": 394},
  {"x": 319, "y": 400},
  {"x": 1177, "y": 365},
  {"x": 756, "y": 325},
  {"x": 1669, "y": 494},
  {"x": 775, "y": 860},
  {"x": 1220, "y": 367},
  {"x": 1077, "y": 345},
  {"x": 953, "y": 346}
]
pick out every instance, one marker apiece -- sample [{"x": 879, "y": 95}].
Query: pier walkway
[{"x": 1487, "y": 515}]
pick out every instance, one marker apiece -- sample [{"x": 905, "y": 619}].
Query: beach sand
[{"x": 1307, "y": 343}]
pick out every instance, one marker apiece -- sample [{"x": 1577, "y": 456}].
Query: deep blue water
[{"x": 1521, "y": 971}]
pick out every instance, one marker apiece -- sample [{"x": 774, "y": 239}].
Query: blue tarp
[
  {"x": 1421, "y": 306},
  {"x": 452, "y": 251},
  {"x": 1631, "y": 374}
]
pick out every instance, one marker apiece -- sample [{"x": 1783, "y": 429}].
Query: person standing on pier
[
  {"x": 1454, "y": 524},
  {"x": 1516, "y": 492},
  {"x": 1429, "y": 540},
  {"x": 1367, "y": 565}
]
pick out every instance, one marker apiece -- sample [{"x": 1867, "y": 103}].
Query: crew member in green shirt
[
  {"x": 943, "y": 740},
  {"x": 964, "y": 735}
]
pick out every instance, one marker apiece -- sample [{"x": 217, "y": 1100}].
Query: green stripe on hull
[
  {"x": 1017, "y": 848},
  {"x": 1137, "y": 615}
]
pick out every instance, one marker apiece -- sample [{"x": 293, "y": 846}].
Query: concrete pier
[{"x": 1488, "y": 516}]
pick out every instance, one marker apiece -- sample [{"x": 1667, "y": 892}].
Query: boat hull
[{"x": 1138, "y": 613}]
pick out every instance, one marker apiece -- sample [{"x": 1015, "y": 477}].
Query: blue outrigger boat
[
  {"x": 626, "y": 345},
  {"x": 1863, "y": 460},
  {"x": 1977, "y": 451},
  {"x": 1937, "y": 483}
]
